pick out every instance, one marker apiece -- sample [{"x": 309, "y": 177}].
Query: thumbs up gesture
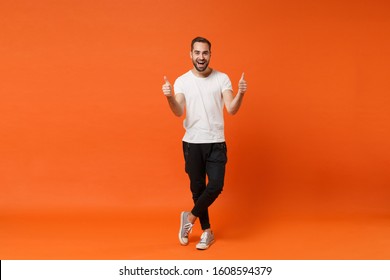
[
  {"x": 167, "y": 87},
  {"x": 242, "y": 85}
]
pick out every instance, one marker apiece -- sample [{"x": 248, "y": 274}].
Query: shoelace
[
  {"x": 187, "y": 228},
  {"x": 203, "y": 237}
]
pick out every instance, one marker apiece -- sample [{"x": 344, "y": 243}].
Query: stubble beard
[{"x": 204, "y": 66}]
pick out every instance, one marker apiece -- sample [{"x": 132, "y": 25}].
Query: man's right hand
[{"x": 167, "y": 87}]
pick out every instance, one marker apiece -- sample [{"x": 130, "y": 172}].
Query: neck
[{"x": 202, "y": 74}]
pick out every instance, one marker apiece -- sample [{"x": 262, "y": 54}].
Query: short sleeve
[
  {"x": 226, "y": 83},
  {"x": 178, "y": 86}
]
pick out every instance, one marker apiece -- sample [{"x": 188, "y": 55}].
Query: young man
[{"x": 202, "y": 93}]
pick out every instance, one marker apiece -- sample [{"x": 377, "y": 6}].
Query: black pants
[{"x": 205, "y": 161}]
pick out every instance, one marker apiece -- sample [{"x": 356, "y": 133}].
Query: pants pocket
[
  {"x": 186, "y": 152},
  {"x": 219, "y": 153}
]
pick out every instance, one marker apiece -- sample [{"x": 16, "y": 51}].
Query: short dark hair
[{"x": 200, "y": 40}]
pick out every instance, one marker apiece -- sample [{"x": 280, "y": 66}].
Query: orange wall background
[{"x": 84, "y": 125}]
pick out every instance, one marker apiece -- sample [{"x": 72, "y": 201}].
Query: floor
[{"x": 152, "y": 234}]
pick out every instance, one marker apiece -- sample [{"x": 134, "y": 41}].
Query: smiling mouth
[{"x": 201, "y": 65}]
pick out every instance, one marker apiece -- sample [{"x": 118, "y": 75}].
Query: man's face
[{"x": 200, "y": 56}]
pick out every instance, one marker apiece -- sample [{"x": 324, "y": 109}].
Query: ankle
[{"x": 191, "y": 218}]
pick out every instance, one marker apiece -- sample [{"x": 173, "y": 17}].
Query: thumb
[
  {"x": 242, "y": 76},
  {"x": 166, "y": 80}
]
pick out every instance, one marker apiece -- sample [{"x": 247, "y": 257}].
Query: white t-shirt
[{"x": 204, "y": 121}]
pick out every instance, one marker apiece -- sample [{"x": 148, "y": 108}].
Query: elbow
[
  {"x": 232, "y": 111},
  {"x": 178, "y": 113}
]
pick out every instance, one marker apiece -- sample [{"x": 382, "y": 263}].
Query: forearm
[
  {"x": 233, "y": 104},
  {"x": 175, "y": 106},
  {"x": 236, "y": 103},
  {"x": 176, "y": 102}
]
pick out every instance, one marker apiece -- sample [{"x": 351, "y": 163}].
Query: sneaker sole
[
  {"x": 208, "y": 246},
  {"x": 181, "y": 226}
]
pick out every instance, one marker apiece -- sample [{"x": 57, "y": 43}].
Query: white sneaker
[
  {"x": 185, "y": 228},
  {"x": 206, "y": 240}
]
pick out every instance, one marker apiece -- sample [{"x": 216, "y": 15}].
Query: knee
[
  {"x": 214, "y": 188},
  {"x": 197, "y": 188}
]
